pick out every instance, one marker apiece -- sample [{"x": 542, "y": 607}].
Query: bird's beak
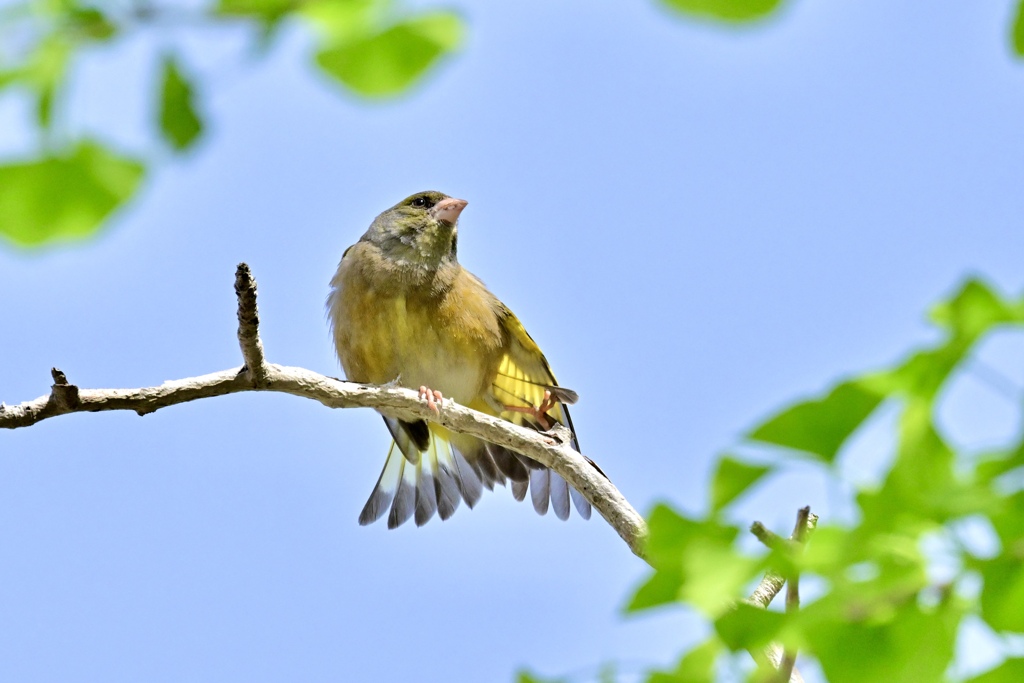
[{"x": 448, "y": 210}]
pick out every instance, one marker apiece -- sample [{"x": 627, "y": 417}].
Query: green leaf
[
  {"x": 1003, "y": 594},
  {"x": 821, "y": 426},
  {"x": 45, "y": 72},
  {"x": 380, "y": 64},
  {"x": 662, "y": 588},
  {"x": 10, "y": 76},
  {"x": 747, "y": 627},
  {"x": 524, "y": 676},
  {"x": 732, "y": 478},
  {"x": 265, "y": 11},
  {"x": 179, "y": 122},
  {"x": 973, "y": 310},
  {"x": 696, "y": 666},
  {"x": 967, "y": 315},
  {"x": 1010, "y": 671},
  {"x": 340, "y": 22},
  {"x": 1003, "y": 591},
  {"x": 66, "y": 196},
  {"x": 695, "y": 561},
  {"x": 726, "y": 10},
  {"x": 1017, "y": 33},
  {"x": 92, "y": 23},
  {"x": 912, "y": 645}
]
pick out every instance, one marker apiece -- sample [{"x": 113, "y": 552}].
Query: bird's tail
[
  {"x": 420, "y": 483},
  {"x": 431, "y": 470}
]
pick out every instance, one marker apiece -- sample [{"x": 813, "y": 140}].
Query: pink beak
[{"x": 448, "y": 210}]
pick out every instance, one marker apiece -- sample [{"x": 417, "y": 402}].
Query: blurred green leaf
[
  {"x": 733, "y": 477},
  {"x": 911, "y": 645},
  {"x": 821, "y": 426},
  {"x": 1017, "y": 31},
  {"x": 64, "y": 196},
  {"x": 524, "y": 676},
  {"x": 179, "y": 122},
  {"x": 695, "y": 561},
  {"x": 1003, "y": 593},
  {"x": 45, "y": 72},
  {"x": 1009, "y": 522},
  {"x": 265, "y": 11},
  {"x": 726, "y": 10},
  {"x": 92, "y": 23},
  {"x": 696, "y": 666},
  {"x": 662, "y": 588},
  {"x": 747, "y": 627},
  {"x": 387, "y": 62},
  {"x": 10, "y": 76},
  {"x": 1010, "y": 671},
  {"x": 967, "y": 315},
  {"x": 339, "y": 22},
  {"x": 973, "y": 310}
]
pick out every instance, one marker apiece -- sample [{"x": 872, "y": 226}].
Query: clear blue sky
[{"x": 696, "y": 224}]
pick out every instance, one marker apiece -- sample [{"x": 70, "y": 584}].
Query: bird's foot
[
  {"x": 432, "y": 397},
  {"x": 541, "y": 412}
]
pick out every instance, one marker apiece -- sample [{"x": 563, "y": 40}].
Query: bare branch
[
  {"x": 786, "y": 666},
  {"x": 334, "y": 393},
  {"x": 766, "y": 535},
  {"x": 772, "y": 584},
  {"x": 766, "y": 591},
  {"x": 249, "y": 326}
]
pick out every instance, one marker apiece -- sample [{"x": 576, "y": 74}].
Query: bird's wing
[{"x": 522, "y": 378}]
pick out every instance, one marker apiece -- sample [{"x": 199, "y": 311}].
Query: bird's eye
[{"x": 421, "y": 201}]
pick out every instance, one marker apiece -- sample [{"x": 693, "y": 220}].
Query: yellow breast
[{"x": 439, "y": 330}]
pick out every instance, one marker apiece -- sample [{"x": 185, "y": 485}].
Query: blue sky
[{"x": 696, "y": 224}]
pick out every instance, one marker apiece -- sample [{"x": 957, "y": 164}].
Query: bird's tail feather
[{"x": 417, "y": 484}]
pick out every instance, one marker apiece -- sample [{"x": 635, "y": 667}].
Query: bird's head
[{"x": 419, "y": 230}]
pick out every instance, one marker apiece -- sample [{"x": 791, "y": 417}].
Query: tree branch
[
  {"x": 258, "y": 375},
  {"x": 772, "y": 584},
  {"x": 786, "y": 666}
]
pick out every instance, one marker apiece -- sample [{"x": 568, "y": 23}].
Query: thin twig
[
  {"x": 766, "y": 536},
  {"x": 249, "y": 325},
  {"x": 771, "y": 584},
  {"x": 788, "y": 662}
]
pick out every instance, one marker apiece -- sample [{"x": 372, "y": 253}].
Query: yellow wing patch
[{"x": 515, "y": 387}]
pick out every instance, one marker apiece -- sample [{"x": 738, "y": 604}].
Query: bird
[{"x": 403, "y": 311}]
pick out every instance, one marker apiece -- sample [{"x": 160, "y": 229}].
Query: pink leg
[
  {"x": 540, "y": 413},
  {"x": 432, "y": 397}
]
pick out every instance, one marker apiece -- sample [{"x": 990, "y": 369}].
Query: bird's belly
[{"x": 398, "y": 338}]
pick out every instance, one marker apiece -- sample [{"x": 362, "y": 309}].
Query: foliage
[
  {"x": 371, "y": 48},
  {"x": 71, "y": 185},
  {"x": 880, "y": 616},
  {"x": 736, "y": 11}
]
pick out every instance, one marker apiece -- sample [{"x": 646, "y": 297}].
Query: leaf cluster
[
  {"x": 880, "y": 615},
  {"x": 71, "y": 182}
]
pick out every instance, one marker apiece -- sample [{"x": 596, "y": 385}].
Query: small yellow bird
[{"x": 402, "y": 310}]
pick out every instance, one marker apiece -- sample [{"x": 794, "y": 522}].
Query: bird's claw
[
  {"x": 540, "y": 413},
  {"x": 432, "y": 397}
]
